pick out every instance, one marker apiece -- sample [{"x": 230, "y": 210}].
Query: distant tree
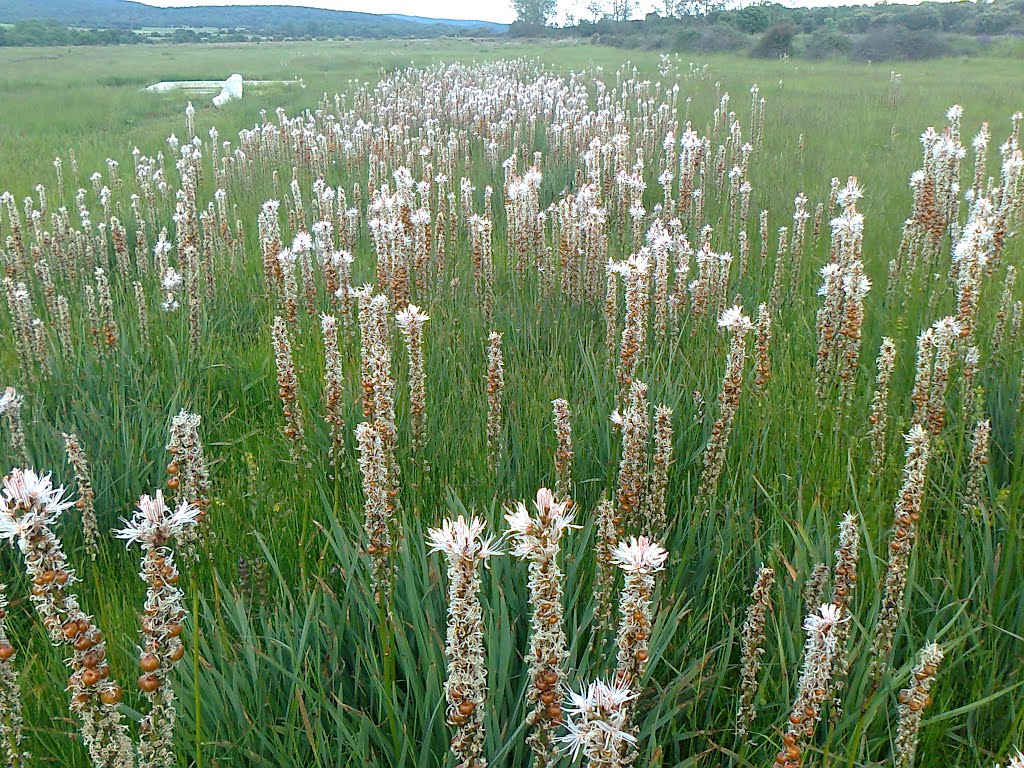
[
  {"x": 615, "y": 10},
  {"x": 699, "y": 7},
  {"x": 753, "y": 20},
  {"x": 537, "y": 12}
]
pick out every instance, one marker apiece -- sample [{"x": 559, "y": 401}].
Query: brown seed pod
[
  {"x": 149, "y": 683},
  {"x": 112, "y": 695}
]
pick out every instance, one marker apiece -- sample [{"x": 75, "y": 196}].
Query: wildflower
[
  {"x": 536, "y": 539},
  {"x": 815, "y": 675},
  {"x": 562, "y": 419},
  {"x": 636, "y": 278},
  {"x": 378, "y": 507},
  {"x": 31, "y": 505},
  {"x": 10, "y": 407},
  {"x": 639, "y": 558},
  {"x": 632, "y": 479},
  {"x": 10, "y": 694},
  {"x": 86, "y": 495},
  {"x": 753, "y": 648},
  {"x": 495, "y": 392},
  {"x": 762, "y": 344},
  {"x": 976, "y": 472},
  {"x": 465, "y": 547},
  {"x": 288, "y": 388},
  {"x": 333, "y": 385},
  {"x": 913, "y": 700},
  {"x": 598, "y": 724},
  {"x": 844, "y": 580},
  {"x": 739, "y": 326},
  {"x": 879, "y": 419},
  {"x": 410, "y": 322},
  {"x": 187, "y": 474},
  {"x": 907, "y": 513},
  {"x": 656, "y": 519}
]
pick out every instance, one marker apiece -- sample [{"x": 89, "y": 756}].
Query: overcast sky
[{"x": 486, "y": 10}]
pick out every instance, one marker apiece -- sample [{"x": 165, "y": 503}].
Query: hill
[{"x": 125, "y": 14}]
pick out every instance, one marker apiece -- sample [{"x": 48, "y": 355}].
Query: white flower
[
  {"x": 459, "y": 539},
  {"x": 25, "y": 488},
  {"x": 155, "y": 521},
  {"x": 302, "y": 243},
  {"x": 10, "y": 400},
  {"x": 734, "y": 319},
  {"x": 639, "y": 555},
  {"x": 596, "y": 719},
  {"x": 171, "y": 280},
  {"x": 411, "y": 316},
  {"x": 553, "y": 520}
]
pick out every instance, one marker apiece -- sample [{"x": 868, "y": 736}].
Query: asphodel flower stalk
[
  {"x": 639, "y": 558},
  {"x": 907, "y": 513},
  {"x": 86, "y": 495},
  {"x": 739, "y": 326},
  {"x": 10, "y": 407},
  {"x": 187, "y": 474},
  {"x": 495, "y": 395},
  {"x": 536, "y": 538},
  {"x": 753, "y": 648},
  {"x": 913, "y": 701},
  {"x": 636, "y": 276},
  {"x": 656, "y": 520},
  {"x": 762, "y": 347},
  {"x": 815, "y": 682},
  {"x": 814, "y": 588},
  {"x": 465, "y": 548},
  {"x": 632, "y": 481},
  {"x": 879, "y": 418},
  {"x": 410, "y": 322},
  {"x": 11, "y": 722},
  {"x": 844, "y": 580},
  {"x": 562, "y": 422},
  {"x": 155, "y": 527},
  {"x": 288, "y": 389},
  {"x": 378, "y": 508},
  {"x": 31, "y": 505},
  {"x": 333, "y": 386},
  {"x": 977, "y": 463},
  {"x": 604, "y": 569}
]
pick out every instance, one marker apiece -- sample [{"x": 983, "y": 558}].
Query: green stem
[{"x": 195, "y": 675}]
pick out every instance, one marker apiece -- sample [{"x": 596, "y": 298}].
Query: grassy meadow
[{"x": 285, "y": 661}]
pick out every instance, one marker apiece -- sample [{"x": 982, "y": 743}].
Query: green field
[{"x": 286, "y": 667}]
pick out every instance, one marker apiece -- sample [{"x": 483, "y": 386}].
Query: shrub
[
  {"x": 828, "y": 42},
  {"x": 776, "y": 42},
  {"x": 899, "y": 43}
]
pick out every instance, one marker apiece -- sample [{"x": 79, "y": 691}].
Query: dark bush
[
  {"x": 827, "y": 43},
  {"x": 776, "y": 42},
  {"x": 899, "y": 43},
  {"x": 711, "y": 38}
]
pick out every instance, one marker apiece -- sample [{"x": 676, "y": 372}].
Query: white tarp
[
  {"x": 225, "y": 90},
  {"x": 232, "y": 90}
]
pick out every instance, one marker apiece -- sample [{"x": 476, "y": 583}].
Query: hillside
[{"x": 124, "y": 14}]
